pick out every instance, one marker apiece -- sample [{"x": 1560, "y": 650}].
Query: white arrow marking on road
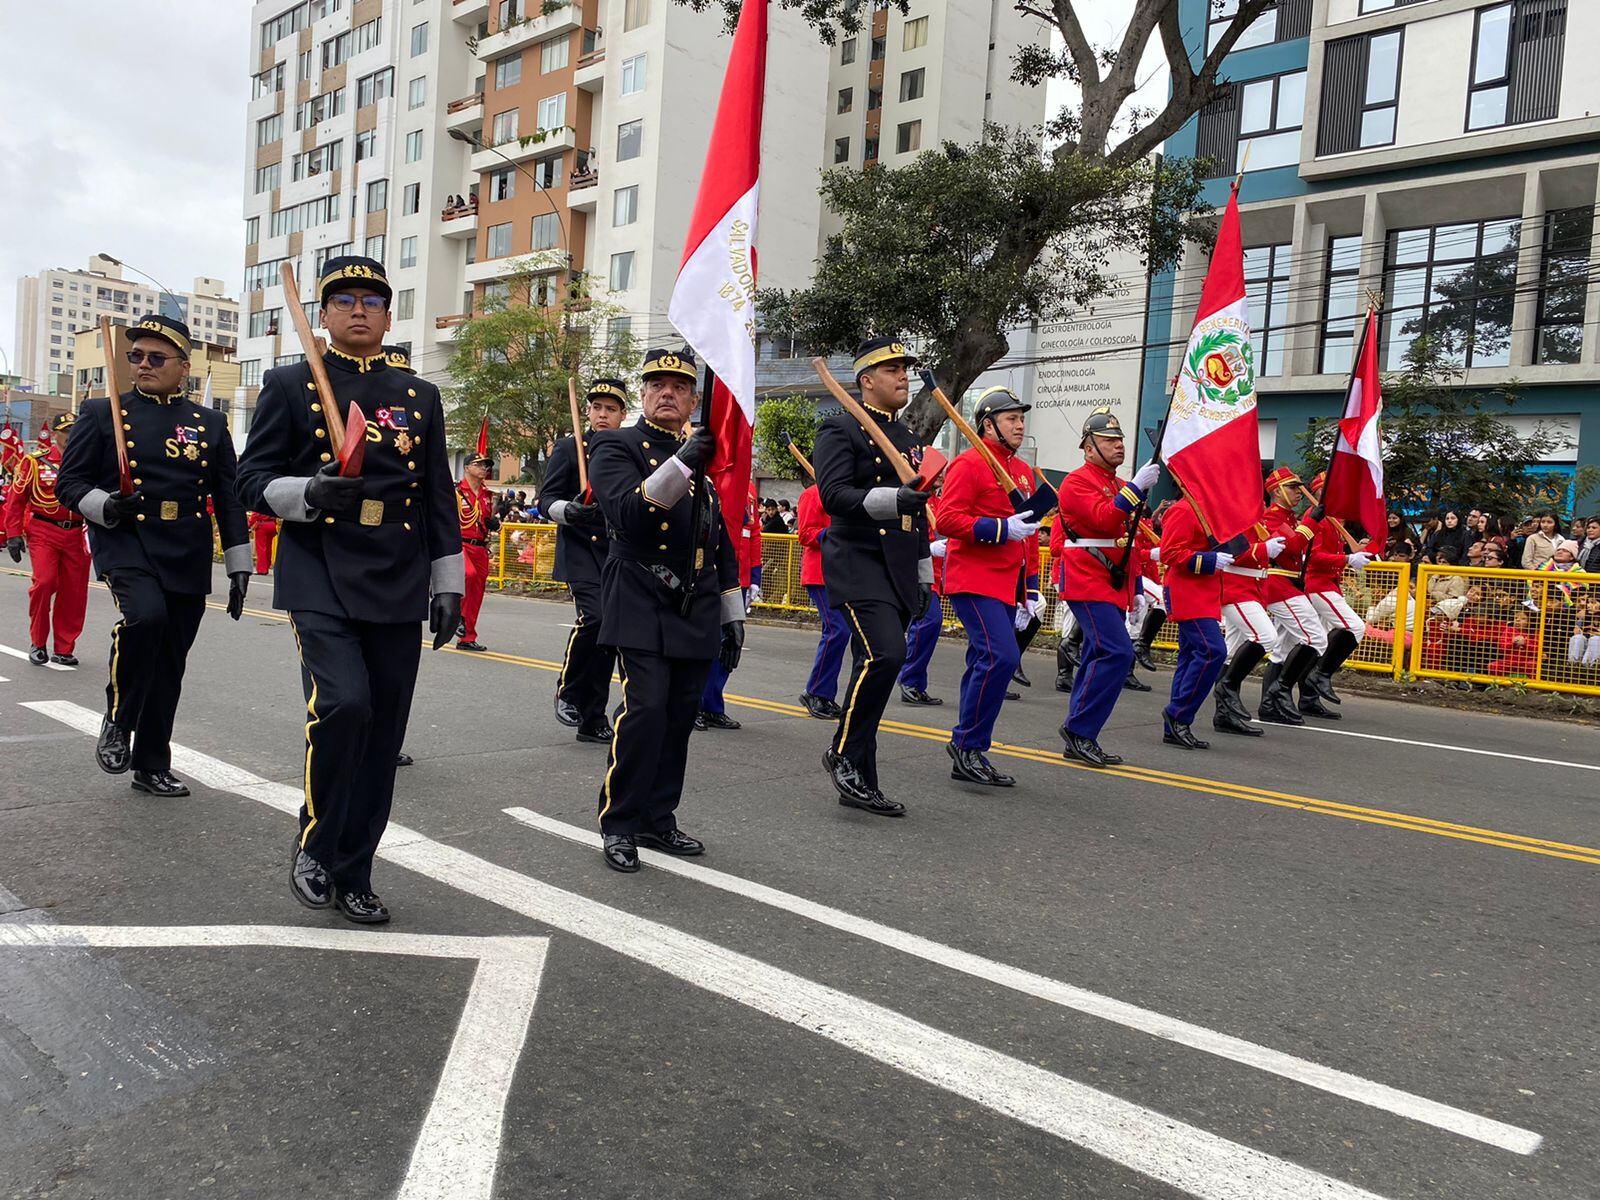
[
  {"x": 1198, "y": 1037},
  {"x": 1143, "y": 1140},
  {"x": 459, "y": 1147},
  {"x": 23, "y": 655}
]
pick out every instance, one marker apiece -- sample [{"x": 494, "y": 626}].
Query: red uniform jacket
[
  {"x": 971, "y": 513},
  {"x": 475, "y": 507},
  {"x": 1246, "y": 580},
  {"x": 1095, "y": 507},
  {"x": 810, "y": 524},
  {"x": 33, "y": 490},
  {"x": 1283, "y": 577},
  {"x": 262, "y": 523},
  {"x": 1191, "y": 577},
  {"x": 1325, "y": 570},
  {"x": 747, "y": 547},
  {"x": 1150, "y": 570}
]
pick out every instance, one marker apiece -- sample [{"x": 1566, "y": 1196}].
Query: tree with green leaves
[
  {"x": 966, "y": 242},
  {"x": 795, "y": 416},
  {"x": 512, "y": 360}
]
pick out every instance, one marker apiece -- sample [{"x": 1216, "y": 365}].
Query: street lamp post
[{"x": 117, "y": 262}]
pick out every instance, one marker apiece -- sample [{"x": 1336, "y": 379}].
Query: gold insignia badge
[
  {"x": 169, "y": 510},
  {"x": 699, "y": 559},
  {"x": 905, "y": 522},
  {"x": 403, "y": 442},
  {"x": 372, "y": 512},
  {"x": 191, "y": 452},
  {"x": 669, "y": 360}
]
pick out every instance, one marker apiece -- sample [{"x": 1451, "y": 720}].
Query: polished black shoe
[
  {"x": 700, "y": 722},
  {"x": 71, "y": 660},
  {"x": 1174, "y": 733},
  {"x": 1226, "y": 720},
  {"x": 475, "y": 647},
  {"x": 876, "y": 803},
  {"x": 38, "y": 655},
  {"x": 1063, "y": 681},
  {"x": 717, "y": 720},
  {"x": 1141, "y": 655},
  {"x": 568, "y": 714},
  {"x": 308, "y": 881},
  {"x": 159, "y": 783},
  {"x": 601, "y": 734},
  {"x": 674, "y": 841},
  {"x": 911, "y": 695},
  {"x": 855, "y": 791},
  {"x": 404, "y": 760},
  {"x": 1084, "y": 750},
  {"x": 1311, "y": 704},
  {"x": 111, "y": 751},
  {"x": 1134, "y": 684},
  {"x": 1021, "y": 676},
  {"x": 970, "y": 766},
  {"x": 820, "y": 707},
  {"x": 620, "y": 852},
  {"x": 363, "y": 908},
  {"x": 1010, "y": 695}
]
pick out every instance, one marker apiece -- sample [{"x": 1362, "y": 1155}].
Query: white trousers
[
  {"x": 1245, "y": 622},
  {"x": 1298, "y": 625},
  {"x": 1335, "y": 613}
]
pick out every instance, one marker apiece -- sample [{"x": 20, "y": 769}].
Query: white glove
[
  {"x": 1275, "y": 546},
  {"x": 1035, "y": 604},
  {"x": 1155, "y": 553},
  {"x": 1224, "y": 559},
  {"x": 936, "y": 548},
  {"x": 755, "y": 595},
  {"x": 1145, "y": 477},
  {"x": 1019, "y": 528},
  {"x": 1357, "y": 561},
  {"x": 1020, "y": 621}
]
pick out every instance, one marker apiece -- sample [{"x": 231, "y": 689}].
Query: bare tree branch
[{"x": 1066, "y": 20}]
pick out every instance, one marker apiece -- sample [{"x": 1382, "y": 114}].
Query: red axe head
[{"x": 354, "y": 450}]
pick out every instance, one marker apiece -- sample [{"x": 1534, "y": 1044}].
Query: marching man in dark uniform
[
  {"x": 583, "y": 688},
  {"x": 58, "y": 594},
  {"x": 670, "y": 604},
  {"x": 875, "y": 561},
  {"x": 475, "y": 508},
  {"x": 358, "y": 559},
  {"x": 1097, "y": 508},
  {"x": 153, "y": 546}
]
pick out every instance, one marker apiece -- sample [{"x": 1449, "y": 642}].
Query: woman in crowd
[
  {"x": 1401, "y": 542},
  {"x": 1539, "y": 547},
  {"x": 1452, "y": 532}
]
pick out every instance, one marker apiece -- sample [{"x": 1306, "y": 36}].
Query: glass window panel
[
  {"x": 1452, "y": 242},
  {"x": 1501, "y": 236},
  {"x": 1494, "y": 34},
  {"x": 1486, "y": 108},
  {"x": 1383, "y": 68},
  {"x": 1342, "y": 295},
  {"x": 1277, "y": 351},
  {"x": 1257, "y": 261},
  {"x": 1560, "y": 344},
  {"x": 1377, "y": 127},
  {"x": 1338, "y": 354},
  {"x": 1275, "y": 150},
  {"x": 1255, "y": 106},
  {"x": 1409, "y": 246},
  {"x": 1407, "y": 288},
  {"x": 1344, "y": 254},
  {"x": 1256, "y": 297},
  {"x": 1291, "y": 99}
]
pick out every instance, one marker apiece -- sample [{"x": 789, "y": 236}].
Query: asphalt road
[{"x": 1361, "y": 959}]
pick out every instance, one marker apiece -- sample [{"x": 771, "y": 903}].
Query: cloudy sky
[{"x": 124, "y": 133}]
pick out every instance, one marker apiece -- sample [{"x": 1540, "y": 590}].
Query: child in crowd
[
  {"x": 1518, "y": 644},
  {"x": 1583, "y": 648}
]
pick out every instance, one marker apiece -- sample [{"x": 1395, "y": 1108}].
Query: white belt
[
  {"x": 1247, "y": 572},
  {"x": 1093, "y": 544}
]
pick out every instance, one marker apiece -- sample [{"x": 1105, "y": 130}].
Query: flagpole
[{"x": 700, "y": 484}]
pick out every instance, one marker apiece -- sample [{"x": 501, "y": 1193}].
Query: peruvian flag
[
  {"x": 1354, "y": 487},
  {"x": 713, "y": 300},
  {"x": 1209, "y": 442}
]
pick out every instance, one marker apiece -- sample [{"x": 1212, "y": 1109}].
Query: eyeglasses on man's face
[
  {"x": 155, "y": 358},
  {"x": 345, "y": 302}
]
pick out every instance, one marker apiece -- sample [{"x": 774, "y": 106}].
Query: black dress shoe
[
  {"x": 308, "y": 882},
  {"x": 601, "y": 734},
  {"x": 1226, "y": 720},
  {"x": 1021, "y": 676},
  {"x": 970, "y": 766},
  {"x": 363, "y": 908},
  {"x": 620, "y": 852},
  {"x": 699, "y": 722},
  {"x": 910, "y": 695},
  {"x": 716, "y": 720},
  {"x": 855, "y": 791},
  {"x": 38, "y": 655},
  {"x": 1175, "y": 733},
  {"x": 1141, "y": 655},
  {"x": 820, "y": 707},
  {"x": 1063, "y": 681},
  {"x": 876, "y": 803},
  {"x": 111, "y": 751},
  {"x": 71, "y": 660},
  {"x": 475, "y": 647},
  {"x": 403, "y": 759},
  {"x": 159, "y": 783},
  {"x": 674, "y": 841},
  {"x": 1085, "y": 750},
  {"x": 568, "y": 714},
  {"x": 1010, "y": 695},
  {"x": 1134, "y": 684}
]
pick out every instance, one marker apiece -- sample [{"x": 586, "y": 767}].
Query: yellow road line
[{"x": 1190, "y": 783}]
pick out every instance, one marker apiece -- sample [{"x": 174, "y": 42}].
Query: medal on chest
[{"x": 398, "y": 420}]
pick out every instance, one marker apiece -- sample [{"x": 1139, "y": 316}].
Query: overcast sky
[{"x": 123, "y": 133}]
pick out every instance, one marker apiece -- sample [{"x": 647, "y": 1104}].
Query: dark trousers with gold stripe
[
  {"x": 878, "y": 651},
  {"x": 149, "y": 651},
  {"x": 644, "y": 774},
  {"x": 358, "y": 678},
  {"x": 585, "y": 679}
]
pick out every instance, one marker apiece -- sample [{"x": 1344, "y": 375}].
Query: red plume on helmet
[{"x": 483, "y": 443}]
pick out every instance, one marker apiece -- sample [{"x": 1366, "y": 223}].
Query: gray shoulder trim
[
  {"x": 925, "y": 571},
  {"x": 286, "y": 496},
  {"x": 449, "y": 574},
  {"x": 557, "y": 511},
  {"x": 93, "y": 507},
  {"x": 667, "y": 485},
  {"x": 237, "y": 558},
  {"x": 880, "y": 503},
  {"x": 732, "y": 605}
]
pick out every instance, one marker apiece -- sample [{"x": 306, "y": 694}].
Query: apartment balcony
[
  {"x": 590, "y": 73},
  {"x": 527, "y": 32},
  {"x": 465, "y": 114},
  {"x": 546, "y": 141},
  {"x": 448, "y": 325},
  {"x": 469, "y": 12},
  {"x": 540, "y": 262},
  {"x": 583, "y": 189},
  {"x": 459, "y": 223}
]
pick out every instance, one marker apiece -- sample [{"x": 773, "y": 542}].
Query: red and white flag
[
  {"x": 1354, "y": 487},
  {"x": 1210, "y": 443},
  {"x": 713, "y": 300}
]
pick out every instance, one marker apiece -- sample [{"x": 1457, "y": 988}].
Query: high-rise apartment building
[{"x": 55, "y": 304}]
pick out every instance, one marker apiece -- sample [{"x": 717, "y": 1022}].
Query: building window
[
  {"x": 1455, "y": 285},
  {"x": 367, "y": 36},
  {"x": 846, "y": 99},
  {"x": 507, "y": 71},
  {"x": 1360, "y": 92},
  {"x": 546, "y": 231},
  {"x": 633, "y": 75},
  {"x": 874, "y": 99},
  {"x": 417, "y": 93},
  {"x": 630, "y": 140},
  {"x": 915, "y": 36},
  {"x": 377, "y": 195},
  {"x": 419, "y": 39},
  {"x": 504, "y": 128},
  {"x": 879, "y": 48},
  {"x": 408, "y": 252},
  {"x": 499, "y": 241},
  {"x": 553, "y": 112},
  {"x": 252, "y": 231},
  {"x": 411, "y": 199},
  {"x": 1517, "y": 50},
  {"x": 869, "y": 150},
  {"x": 1368, "y": 6},
  {"x": 625, "y": 205},
  {"x": 502, "y": 184},
  {"x": 405, "y": 304},
  {"x": 553, "y": 54},
  {"x": 250, "y": 373},
  {"x": 1341, "y": 301},
  {"x": 547, "y": 172},
  {"x": 1563, "y": 285},
  {"x": 269, "y": 82},
  {"x": 841, "y": 150},
  {"x": 414, "y": 146},
  {"x": 908, "y": 137},
  {"x": 911, "y": 84},
  {"x": 268, "y": 177},
  {"x": 269, "y": 129},
  {"x": 372, "y": 88},
  {"x": 366, "y": 144},
  {"x": 1266, "y": 113},
  {"x": 847, "y": 51},
  {"x": 618, "y": 329},
  {"x": 375, "y": 246},
  {"x": 1266, "y": 285},
  {"x": 622, "y": 271},
  {"x": 512, "y": 12},
  {"x": 263, "y": 322},
  {"x": 634, "y": 14},
  {"x": 1290, "y": 19}
]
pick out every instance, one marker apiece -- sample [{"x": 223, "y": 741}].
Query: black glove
[
  {"x": 732, "y": 644},
  {"x": 14, "y": 548},
  {"x": 333, "y": 493},
  {"x": 444, "y": 616},
  {"x": 120, "y": 506},
  {"x": 697, "y": 451},
  {"x": 587, "y": 515},
  {"x": 924, "y": 597},
  {"x": 238, "y": 585},
  {"x": 1317, "y": 513},
  {"x": 908, "y": 499},
  {"x": 494, "y": 525}
]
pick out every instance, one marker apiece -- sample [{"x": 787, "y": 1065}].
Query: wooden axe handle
[
  {"x": 1007, "y": 484},
  {"x": 879, "y": 439},
  {"x": 577, "y": 433},
  {"x": 805, "y": 465},
  {"x": 114, "y": 390},
  {"x": 1349, "y": 541},
  {"x": 311, "y": 348}
]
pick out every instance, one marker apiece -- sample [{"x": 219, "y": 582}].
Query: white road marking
[
  {"x": 1139, "y": 1138},
  {"x": 1378, "y": 737},
  {"x": 1197, "y": 1037},
  {"x": 23, "y": 655},
  {"x": 3, "y": 679},
  {"x": 458, "y": 1150}
]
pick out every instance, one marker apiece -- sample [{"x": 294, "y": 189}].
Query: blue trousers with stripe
[
  {"x": 921, "y": 639},
  {"x": 992, "y": 655},
  {"x": 1202, "y": 657},
  {"x": 1107, "y": 659},
  {"x": 835, "y": 640}
]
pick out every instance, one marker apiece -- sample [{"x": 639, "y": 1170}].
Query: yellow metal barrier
[{"x": 525, "y": 554}]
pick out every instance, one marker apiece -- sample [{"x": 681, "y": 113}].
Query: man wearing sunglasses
[
  {"x": 153, "y": 546},
  {"x": 363, "y": 558}
]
